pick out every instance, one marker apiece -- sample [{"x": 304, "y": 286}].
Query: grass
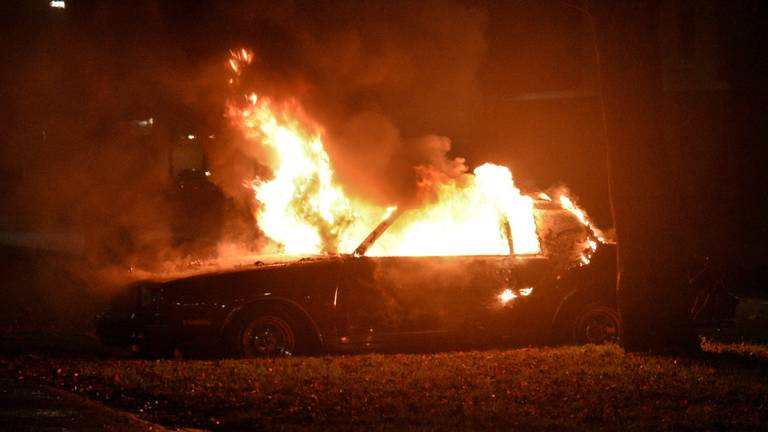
[{"x": 565, "y": 388}]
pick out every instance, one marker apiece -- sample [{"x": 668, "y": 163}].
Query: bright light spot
[
  {"x": 211, "y": 136},
  {"x": 388, "y": 212},
  {"x": 207, "y": 173},
  {"x": 146, "y": 123},
  {"x": 525, "y": 291},
  {"x": 506, "y": 296},
  {"x": 59, "y": 4},
  {"x": 190, "y": 136}
]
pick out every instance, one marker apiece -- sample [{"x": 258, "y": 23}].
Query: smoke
[
  {"x": 380, "y": 79},
  {"x": 86, "y": 194}
]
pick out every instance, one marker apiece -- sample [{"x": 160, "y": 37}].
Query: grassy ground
[{"x": 567, "y": 388}]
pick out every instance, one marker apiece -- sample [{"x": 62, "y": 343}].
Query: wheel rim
[
  {"x": 268, "y": 336},
  {"x": 599, "y": 326}
]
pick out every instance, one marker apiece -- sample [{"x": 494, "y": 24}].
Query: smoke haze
[{"x": 361, "y": 72}]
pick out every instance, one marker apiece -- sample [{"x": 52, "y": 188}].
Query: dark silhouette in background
[{"x": 685, "y": 164}]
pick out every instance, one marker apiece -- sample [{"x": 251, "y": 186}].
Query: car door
[{"x": 428, "y": 300}]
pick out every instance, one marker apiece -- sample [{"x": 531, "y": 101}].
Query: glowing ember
[
  {"x": 237, "y": 60},
  {"x": 304, "y": 211},
  {"x": 525, "y": 291},
  {"x": 507, "y": 296}
]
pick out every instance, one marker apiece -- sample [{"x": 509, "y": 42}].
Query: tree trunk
[{"x": 654, "y": 303}]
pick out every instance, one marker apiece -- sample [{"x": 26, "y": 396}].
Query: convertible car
[{"x": 354, "y": 302}]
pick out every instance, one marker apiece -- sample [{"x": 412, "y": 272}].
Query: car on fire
[{"x": 353, "y": 302}]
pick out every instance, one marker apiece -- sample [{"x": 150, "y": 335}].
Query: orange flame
[
  {"x": 303, "y": 210},
  {"x": 595, "y": 234},
  {"x": 507, "y": 296},
  {"x": 480, "y": 214}
]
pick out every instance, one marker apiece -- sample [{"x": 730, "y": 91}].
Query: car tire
[
  {"x": 269, "y": 333},
  {"x": 596, "y": 324}
]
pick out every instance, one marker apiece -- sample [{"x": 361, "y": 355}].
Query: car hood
[{"x": 242, "y": 264}]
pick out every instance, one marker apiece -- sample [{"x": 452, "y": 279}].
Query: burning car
[
  {"x": 353, "y": 302},
  {"x": 472, "y": 261}
]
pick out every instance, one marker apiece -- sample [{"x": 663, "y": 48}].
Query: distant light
[
  {"x": 190, "y": 136},
  {"x": 207, "y": 173},
  {"x": 59, "y": 4},
  {"x": 211, "y": 136}
]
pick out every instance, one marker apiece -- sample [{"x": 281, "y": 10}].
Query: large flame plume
[
  {"x": 477, "y": 214},
  {"x": 301, "y": 207},
  {"x": 304, "y": 211}
]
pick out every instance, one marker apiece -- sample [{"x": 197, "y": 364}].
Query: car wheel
[
  {"x": 597, "y": 324},
  {"x": 268, "y": 334}
]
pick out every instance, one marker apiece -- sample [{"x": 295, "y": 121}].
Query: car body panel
[
  {"x": 357, "y": 303},
  {"x": 403, "y": 299}
]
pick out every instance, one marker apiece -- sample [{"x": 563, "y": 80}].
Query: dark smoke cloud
[{"x": 381, "y": 79}]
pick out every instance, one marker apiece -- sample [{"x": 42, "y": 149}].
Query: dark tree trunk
[{"x": 654, "y": 303}]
